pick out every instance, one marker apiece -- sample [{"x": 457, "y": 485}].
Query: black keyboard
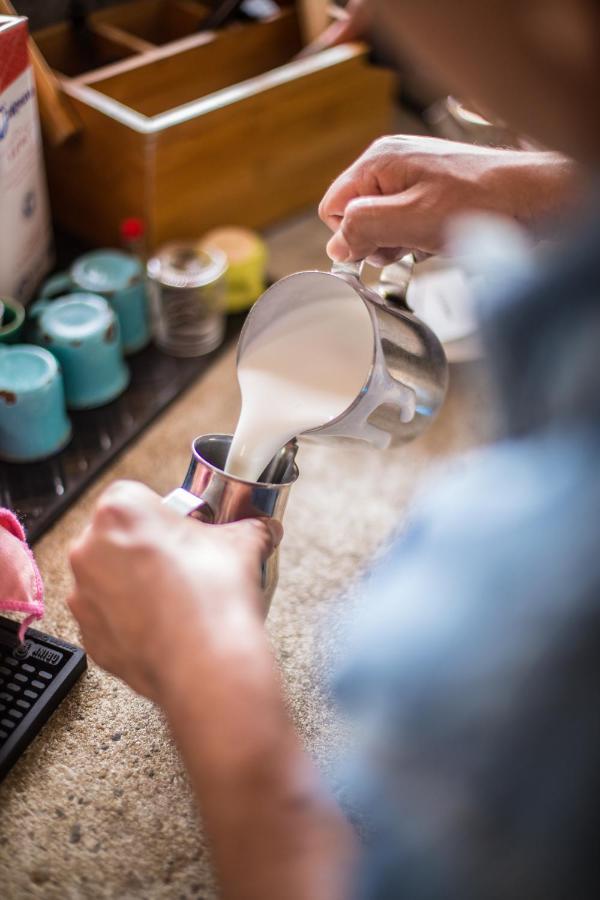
[{"x": 34, "y": 678}]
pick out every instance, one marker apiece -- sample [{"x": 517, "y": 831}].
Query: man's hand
[
  {"x": 399, "y": 195},
  {"x": 352, "y": 23},
  {"x": 145, "y": 577},
  {"x": 174, "y": 608}
]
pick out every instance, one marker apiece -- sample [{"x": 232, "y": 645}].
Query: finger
[
  {"x": 130, "y": 493},
  {"x": 336, "y": 198},
  {"x": 258, "y": 536},
  {"x": 124, "y": 501},
  {"x": 337, "y": 33},
  {"x": 338, "y": 249},
  {"x": 348, "y": 28},
  {"x": 384, "y": 256},
  {"x": 359, "y": 180},
  {"x": 373, "y": 224}
]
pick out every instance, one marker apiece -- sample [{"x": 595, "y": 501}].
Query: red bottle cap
[{"x": 133, "y": 228}]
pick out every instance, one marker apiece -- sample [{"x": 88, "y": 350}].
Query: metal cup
[
  {"x": 212, "y": 496},
  {"x": 407, "y": 380}
]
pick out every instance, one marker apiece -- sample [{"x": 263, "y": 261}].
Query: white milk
[{"x": 300, "y": 373}]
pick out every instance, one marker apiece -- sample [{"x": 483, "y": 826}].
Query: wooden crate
[{"x": 191, "y": 129}]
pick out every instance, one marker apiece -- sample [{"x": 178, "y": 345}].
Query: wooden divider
[
  {"x": 156, "y": 22},
  {"x": 168, "y": 78},
  {"x": 71, "y": 54}
]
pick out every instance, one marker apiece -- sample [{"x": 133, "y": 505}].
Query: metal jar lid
[{"x": 183, "y": 265}]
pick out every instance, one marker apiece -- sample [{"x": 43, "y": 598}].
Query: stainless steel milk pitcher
[
  {"x": 209, "y": 494},
  {"x": 408, "y": 377}
]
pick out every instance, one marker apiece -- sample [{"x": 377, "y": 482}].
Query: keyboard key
[
  {"x": 37, "y": 684},
  {"x": 16, "y": 714},
  {"x": 4, "y": 670},
  {"x": 45, "y": 675},
  {"x": 18, "y": 676},
  {"x": 22, "y": 703},
  {"x": 31, "y": 694},
  {"x": 27, "y": 668},
  {"x": 7, "y": 723},
  {"x": 13, "y": 687},
  {"x": 11, "y": 662}
]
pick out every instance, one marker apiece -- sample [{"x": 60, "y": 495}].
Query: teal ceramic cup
[
  {"x": 33, "y": 420},
  {"x": 13, "y": 320},
  {"x": 82, "y": 332},
  {"x": 119, "y": 278}
]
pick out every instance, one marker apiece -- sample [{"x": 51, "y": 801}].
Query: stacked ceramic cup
[{"x": 80, "y": 329}]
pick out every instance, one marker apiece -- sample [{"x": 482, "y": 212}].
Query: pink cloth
[{"x": 21, "y": 587}]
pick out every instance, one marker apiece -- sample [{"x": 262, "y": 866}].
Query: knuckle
[
  {"x": 385, "y": 144},
  {"x": 380, "y": 143},
  {"x": 258, "y": 541},
  {"x": 358, "y": 212},
  {"x": 257, "y": 533},
  {"x": 113, "y": 506},
  {"x": 352, "y": 218}
]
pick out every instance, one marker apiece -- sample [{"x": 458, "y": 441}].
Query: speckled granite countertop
[{"x": 99, "y": 806}]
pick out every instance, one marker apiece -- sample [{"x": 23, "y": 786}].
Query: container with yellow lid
[{"x": 246, "y": 253}]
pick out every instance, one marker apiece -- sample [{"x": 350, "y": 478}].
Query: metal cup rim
[{"x": 266, "y": 485}]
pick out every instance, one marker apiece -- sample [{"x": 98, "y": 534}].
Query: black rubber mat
[{"x": 34, "y": 677}]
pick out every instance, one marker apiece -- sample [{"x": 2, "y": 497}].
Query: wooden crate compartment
[
  {"x": 214, "y": 128},
  {"x": 156, "y": 22},
  {"x": 167, "y": 81},
  {"x": 70, "y": 54}
]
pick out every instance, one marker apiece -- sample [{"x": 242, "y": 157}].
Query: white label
[{"x": 25, "y": 233}]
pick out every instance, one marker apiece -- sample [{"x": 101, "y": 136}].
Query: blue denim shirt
[{"x": 474, "y": 679}]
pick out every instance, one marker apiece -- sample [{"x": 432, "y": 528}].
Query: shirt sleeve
[{"x": 472, "y": 685}]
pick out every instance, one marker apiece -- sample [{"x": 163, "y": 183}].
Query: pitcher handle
[
  {"x": 405, "y": 263},
  {"x": 353, "y": 267},
  {"x": 185, "y": 503}
]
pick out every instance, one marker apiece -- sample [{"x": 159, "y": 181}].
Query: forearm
[
  {"x": 542, "y": 187},
  {"x": 274, "y": 830}
]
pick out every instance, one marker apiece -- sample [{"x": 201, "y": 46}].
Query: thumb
[
  {"x": 259, "y": 537},
  {"x": 375, "y": 223}
]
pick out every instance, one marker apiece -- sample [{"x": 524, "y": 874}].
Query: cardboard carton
[{"x": 26, "y": 252}]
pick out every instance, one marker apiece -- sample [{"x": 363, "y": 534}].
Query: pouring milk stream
[
  {"x": 300, "y": 373},
  {"x": 320, "y": 353}
]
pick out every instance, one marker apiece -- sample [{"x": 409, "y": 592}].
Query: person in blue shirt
[{"x": 473, "y": 675}]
